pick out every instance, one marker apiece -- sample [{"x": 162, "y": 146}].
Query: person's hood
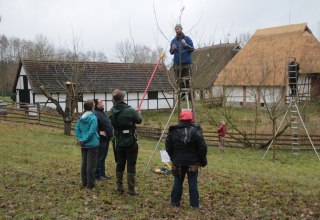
[
  {"x": 86, "y": 117},
  {"x": 120, "y": 107}
]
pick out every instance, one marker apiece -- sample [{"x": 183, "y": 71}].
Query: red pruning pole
[{"x": 154, "y": 71}]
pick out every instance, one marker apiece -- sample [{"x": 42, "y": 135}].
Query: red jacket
[{"x": 222, "y": 130}]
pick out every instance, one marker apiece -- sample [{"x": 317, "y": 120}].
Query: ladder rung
[{"x": 184, "y": 89}]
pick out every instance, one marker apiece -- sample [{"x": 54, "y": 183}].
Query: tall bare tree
[
  {"x": 41, "y": 49},
  {"x": 127, "y": 52},
  {"x": 244, "y": 38},
  {"x": 74, "y": 70}
]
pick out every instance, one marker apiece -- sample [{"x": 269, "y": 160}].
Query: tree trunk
[
  {"x": 273, "y": 144},
  {"x": 67, "y": 127}
]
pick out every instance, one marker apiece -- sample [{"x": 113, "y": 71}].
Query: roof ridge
[{"x": 299, "y": 28}]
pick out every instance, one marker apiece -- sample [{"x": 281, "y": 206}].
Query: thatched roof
[
  {"x": 94, "y": 76},
  {"x": 207, "y": 62},
  {"x": 263, "y": 61}
]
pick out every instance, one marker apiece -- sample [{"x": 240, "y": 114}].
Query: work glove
[
  {"x": 193, "y": 168},
  {"x": 183, "y": 42}
]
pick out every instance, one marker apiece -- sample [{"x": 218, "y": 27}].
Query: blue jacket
[
  {"x": 183, "y": 52},
  {"x": 86, "y": 130}
]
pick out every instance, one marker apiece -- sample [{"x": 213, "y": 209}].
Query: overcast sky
[{"x": 99, "y": 24}]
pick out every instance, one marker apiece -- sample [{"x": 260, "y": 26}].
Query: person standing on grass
[
  {"x": 124, "y": 120},
  {"x": 221, "y": 135},
  {"x": 187, "y": 150},
  {"x": 106, "y": 133},
  {"x": 88, "y": 138}
]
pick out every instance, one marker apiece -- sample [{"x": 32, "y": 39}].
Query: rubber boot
[
  {"x": 131, "y": 184},
  {"x": 120, "y": 182}
]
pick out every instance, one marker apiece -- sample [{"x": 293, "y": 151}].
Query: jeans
[
  {"x": 178, "y": 187},
  {"x": 127, "y": 155},
  {"x": 102, "y": 155},
  {"x": 88, "y": 166}
]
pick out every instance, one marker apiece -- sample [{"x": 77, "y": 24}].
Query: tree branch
[{"x": 54, "y": 101}]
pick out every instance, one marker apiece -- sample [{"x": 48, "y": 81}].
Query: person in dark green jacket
[{"x": 124, "y": 119}]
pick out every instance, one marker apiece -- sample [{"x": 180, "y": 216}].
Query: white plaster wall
[
  {"x": 17, "y": 96},
  {"x": 217, "y": 91},
  {"x": 42, "y": 99},
  {"x": 134, "y": 95},
  {"x": 133, "y": 102},
  {"x": 20, "y": 83},
  {"x": 31, "y": 96},
  {"x": 101, "y": 96},
  {"x": 234, "y": 94},
  {"x": 22, "y": 72},
  {"x": 251, "y": 94},
  {"x": 270, "y": 94},
  {"x": 164, "y": 104},
  {"x": 87, "y": 96}
]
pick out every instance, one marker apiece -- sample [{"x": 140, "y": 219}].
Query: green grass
[{"x": 40, "y": 178}]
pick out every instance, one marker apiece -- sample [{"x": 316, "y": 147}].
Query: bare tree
[
  {"x": 127, "y": 52},
  {"x": 123, "y": 51},
  {"x": 41, "y": 49},
  {"x": 244, "y": 38},
  {"x": 75, "y": 71}
]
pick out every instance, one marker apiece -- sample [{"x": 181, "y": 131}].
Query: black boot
[
  {"x": 120, "y": 182},
  {"x": 131, "y": 178}
]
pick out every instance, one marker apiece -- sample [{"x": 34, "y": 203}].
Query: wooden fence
[{"x": 32, "y": 114}]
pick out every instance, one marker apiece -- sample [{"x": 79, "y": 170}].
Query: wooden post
[{"x": 39, "y": 114}]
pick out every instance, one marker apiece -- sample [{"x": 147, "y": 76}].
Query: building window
[{"x": 152, "y": 95}]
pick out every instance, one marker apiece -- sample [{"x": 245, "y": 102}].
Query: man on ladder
[
  {"x": 293, "y": 72},
  {"x": 293, "y": 110},
  {"x": 182, "y": 47}
]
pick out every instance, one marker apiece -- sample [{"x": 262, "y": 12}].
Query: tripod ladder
[
  {"x": 293, "y": 78},
  {"x": 185, "y": 92},
  {"x": 294, "y": 116}
]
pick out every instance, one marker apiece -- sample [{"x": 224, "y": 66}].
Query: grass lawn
[{"x": 40, "y": 179}]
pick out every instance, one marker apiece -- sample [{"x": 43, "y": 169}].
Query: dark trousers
[
  {"x": 183, "y": 75},
  {"x": 127, "y": 155},
  {"x": 102, "y": 155},
  {"x": 178, "y": 187},
  {"x": 293, "y": 88},
  {"x": 88, "y": 166}
]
